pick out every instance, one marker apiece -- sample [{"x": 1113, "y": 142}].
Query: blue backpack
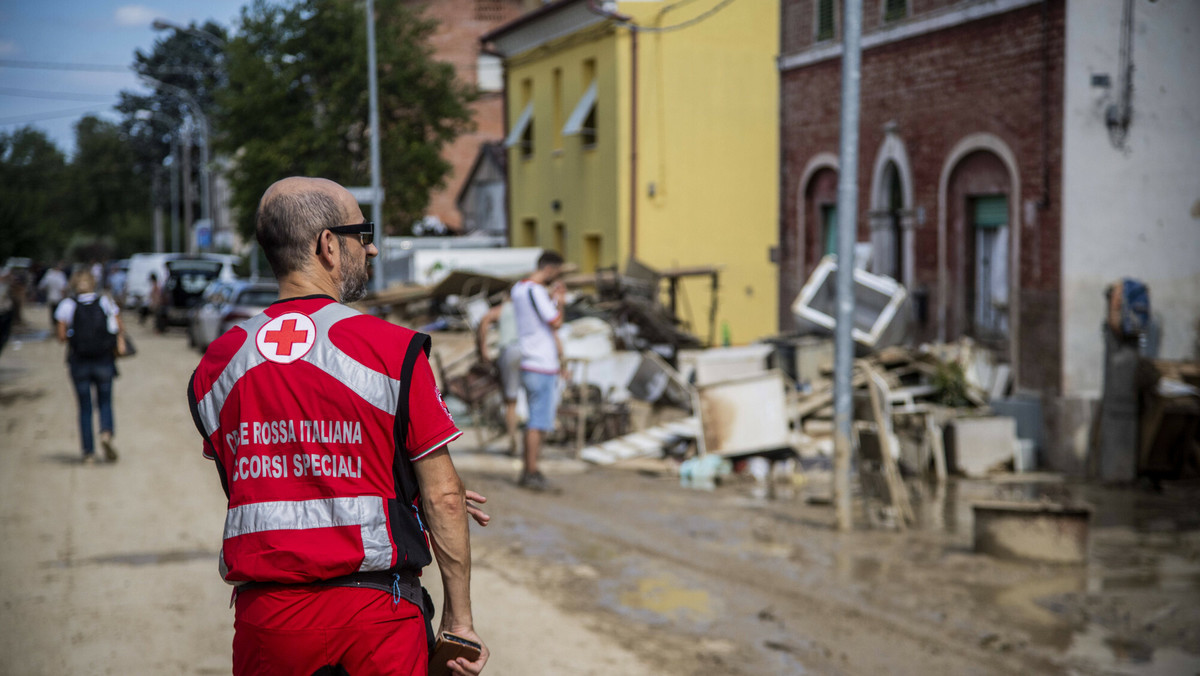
[{"x": 1135, "y": 307}]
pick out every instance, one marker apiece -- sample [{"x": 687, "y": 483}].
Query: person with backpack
[{"x": 90, "y": 325}]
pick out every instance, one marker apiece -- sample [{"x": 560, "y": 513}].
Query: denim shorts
[{"x": 541, "y": 389}]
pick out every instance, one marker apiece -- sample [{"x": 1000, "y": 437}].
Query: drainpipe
[
  {"x": 596, "y": 7},
  {"x": 633, "y": 141}
]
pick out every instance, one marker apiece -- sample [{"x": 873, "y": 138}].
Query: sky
[{"x": 101, "y": 34}]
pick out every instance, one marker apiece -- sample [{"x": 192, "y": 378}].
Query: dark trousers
[
  {"x": 6, "y": 322},
  {"x": 88, "y": 375}
]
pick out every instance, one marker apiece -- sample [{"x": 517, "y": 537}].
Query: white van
[{"x": 137, "y": 280}]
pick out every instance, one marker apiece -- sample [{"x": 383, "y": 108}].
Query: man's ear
[{"x": 325, "y": 248}]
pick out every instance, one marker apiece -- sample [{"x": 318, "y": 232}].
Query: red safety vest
[{"x": 304, "y": 408}]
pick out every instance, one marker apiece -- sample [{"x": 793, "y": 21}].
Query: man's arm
[
  {"x": 485, "y": 326},
  {"x": 444, "y": 504}
]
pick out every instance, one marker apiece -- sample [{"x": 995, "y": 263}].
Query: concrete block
[
  {"x": 1034, "y": 531},
  {"x": 977, "y": 445}
]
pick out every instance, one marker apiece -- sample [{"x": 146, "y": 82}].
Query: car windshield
[{"x": 257, "y": 297}]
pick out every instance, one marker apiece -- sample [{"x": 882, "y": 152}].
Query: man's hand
[
  {"x": 460, "y": 665},
  {"x": 481, "y": 517}
]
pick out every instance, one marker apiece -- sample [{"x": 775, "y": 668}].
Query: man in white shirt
[
  {"x": 539, "y": 313},
  {"x": 54, "y": 286}
]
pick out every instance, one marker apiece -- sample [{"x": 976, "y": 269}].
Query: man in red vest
[{"x": 330, "y": 439}]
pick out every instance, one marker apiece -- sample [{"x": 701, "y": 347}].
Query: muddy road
[{"x": 112, "y": 568}]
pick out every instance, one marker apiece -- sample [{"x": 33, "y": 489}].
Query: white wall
[{"x": 1132, "y": 212}]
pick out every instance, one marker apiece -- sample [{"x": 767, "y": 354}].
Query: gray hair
[{"x": 287, "y": 226}]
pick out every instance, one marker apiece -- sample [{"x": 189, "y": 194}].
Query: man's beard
[{"x": 354, "y": 277}]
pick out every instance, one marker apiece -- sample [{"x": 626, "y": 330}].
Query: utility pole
[
  {"x": 186, "y": 176},
  {"x": 157, "y": 216},
  {"x": 377, "y": 192},
  {"x": 175, "y": 160},
  {"x": 201, "y": 119},
  {"x": 847, "y": 205}
]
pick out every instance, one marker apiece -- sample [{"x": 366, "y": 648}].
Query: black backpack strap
[
  {"x": 419, "y": 343},
  {"x": 536, "y": 310}
]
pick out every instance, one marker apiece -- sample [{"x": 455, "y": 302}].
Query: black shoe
[
  {"x": 110, "y": 451},
  {"x": 534, "y": 482}
]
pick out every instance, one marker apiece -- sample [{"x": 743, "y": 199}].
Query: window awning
[
  {"x": 518, "y": 129},
  {"x": 586, "y": 103}
]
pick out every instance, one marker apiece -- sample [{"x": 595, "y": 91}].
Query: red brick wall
[
  {"x": 456, "y": 41},
  {"x": 985, "y": 76}
]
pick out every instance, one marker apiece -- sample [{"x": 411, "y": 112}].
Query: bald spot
[{"x": 304, "y": 184}]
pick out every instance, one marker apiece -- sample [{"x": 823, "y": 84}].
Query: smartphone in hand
[{"x": 450, "y": 647}]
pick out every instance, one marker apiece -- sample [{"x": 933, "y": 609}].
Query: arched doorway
[
  {"x": 891, "y": 214},
  {"x": 979, "y": 215}
]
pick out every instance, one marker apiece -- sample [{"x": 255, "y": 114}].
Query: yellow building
[{"x": 649, "y": 130}]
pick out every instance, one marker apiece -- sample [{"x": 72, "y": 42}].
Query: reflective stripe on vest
[
  {"x": 368, "y": 512},
  {"x": 372, "y": 386}
]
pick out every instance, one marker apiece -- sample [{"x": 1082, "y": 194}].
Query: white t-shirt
[
  {"x": 54, "y": 283},
  {"x": 534, "y": 311},
  {"x": 66, "y": 311}
]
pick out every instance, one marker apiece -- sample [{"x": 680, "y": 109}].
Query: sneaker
[
  {"x": 89, "y": 458},
  {"x": 534, "y": 482},
  {"x": 110, "y": 451}
]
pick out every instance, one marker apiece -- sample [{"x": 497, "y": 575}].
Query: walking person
[
  {"x": 53, "y": 286},
  {"x": 539, "y": 313},
  {"x": 507, "y": 360},
  {"x": 330, "y": 440},
  {"x": 90, "y": 325}
]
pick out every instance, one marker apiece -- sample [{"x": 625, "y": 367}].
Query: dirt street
[{"x": 111, "y": 569}]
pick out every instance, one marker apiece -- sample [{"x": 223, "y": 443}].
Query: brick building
[
  {"x": 959, "y": 169},
  {"x": 1015, "y": 158},
  {"x": 456, "y": 41}
]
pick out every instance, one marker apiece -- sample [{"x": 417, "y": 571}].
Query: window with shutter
[
  {"x": 825, "y": 21},
  {"x": 895, "y": 10},
  {"x": 991, "y": 211}
]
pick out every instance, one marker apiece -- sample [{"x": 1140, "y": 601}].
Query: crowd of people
[{"x": 83, "y": 315}]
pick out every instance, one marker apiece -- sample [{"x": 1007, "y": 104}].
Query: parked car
[
  {"x": 226, "y": 304},
  {"x": 141, "y": 265},
  {"x": 187, "y": 278}
]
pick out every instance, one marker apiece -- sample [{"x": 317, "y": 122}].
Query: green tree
[
  {"x": 32, "y": 191},
  {"x": 110, "y": 193},
  {"x": 296, "y": 103},
  {"x": 180, "y": 61}
]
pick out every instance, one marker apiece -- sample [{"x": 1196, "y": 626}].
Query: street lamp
[
  {"x": 178, "y": 130},
  {"x": 197, "y": 114}
]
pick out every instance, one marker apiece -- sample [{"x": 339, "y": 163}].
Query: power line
[
  {"x": 99, "y": 67},
  {"x": 60, "y": 96},
  {"x": 38, "y": 117},
  {"x": 55, "y": 65}
]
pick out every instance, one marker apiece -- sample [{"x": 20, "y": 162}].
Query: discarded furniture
[
  {"x": 745, "y": 416},
  {"x": 478, "y": 387},
  {"x": 884, "y": 463},
  {"x": 1038, "y": 531},
  {"x": 980, "y": 445},
  {"x": 650, "y": 442},
  {"x": 1170, "y": 420},
  {"x": 717, "y": 364},
  {"x": 880, "y": 305}
]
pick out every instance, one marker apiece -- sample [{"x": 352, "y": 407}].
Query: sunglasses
[{"x": 365, "y": 231}]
